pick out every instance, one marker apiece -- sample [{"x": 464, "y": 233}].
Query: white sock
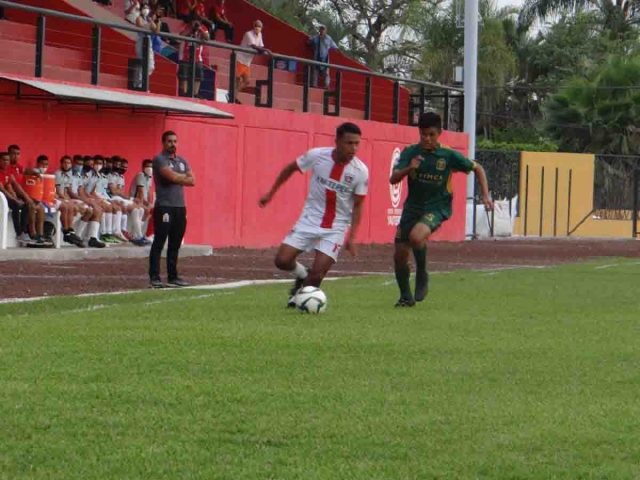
[
  {"x": 109, "y": 223},
  {"x": 117, "y": 222},
  {"x": 81, "y": 228},
  {"x": 136, "y": 222},
  {"x": 124, "y": 223},
  {"x": 300, "y": 271},
  {"x": 103, "y": 229},
  {"x": 94, "y": 229}
]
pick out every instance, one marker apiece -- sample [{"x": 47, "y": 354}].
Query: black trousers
[
  {"x": 226, "y": 28},
  {"x": 168, "y": 223},
  {"x": 19, "y": 215}
]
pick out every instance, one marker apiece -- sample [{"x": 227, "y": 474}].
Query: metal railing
[{"x": 416, "y": 102}]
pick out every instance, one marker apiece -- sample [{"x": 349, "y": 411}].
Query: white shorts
[
  {"x": 306, "y": 237},
  {"x": 123, "y": 201}
]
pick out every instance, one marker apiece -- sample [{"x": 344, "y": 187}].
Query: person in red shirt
[
  {"x": 220, "y": 21},
  {"x": 15, "y": 167},
  {"x": 194, "y": 30},
  {"x": 16, "y": 196},
  {"x": 19, "y": 209}
]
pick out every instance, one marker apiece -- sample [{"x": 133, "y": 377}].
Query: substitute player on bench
[
  {"x": 429, "y": 168},
  {"x": 338, "y": 187}
]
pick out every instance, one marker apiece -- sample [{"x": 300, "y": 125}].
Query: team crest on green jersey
[{"x": 441, "y": 164}]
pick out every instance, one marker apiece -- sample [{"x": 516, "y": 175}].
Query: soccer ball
[{"x": 311, "y": 300}]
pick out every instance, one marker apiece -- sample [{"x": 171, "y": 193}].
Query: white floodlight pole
[{"x": 470, "y": 82}]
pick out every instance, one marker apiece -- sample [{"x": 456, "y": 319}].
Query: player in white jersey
[
  {"x": 130, "y": 209},
  {"x": 339, "y": 183}
]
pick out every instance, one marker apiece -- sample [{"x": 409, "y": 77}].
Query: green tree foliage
[{"x": 599, "y": 114}]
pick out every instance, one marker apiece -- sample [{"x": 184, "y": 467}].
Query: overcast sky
[{"x": 505, "y": 3}]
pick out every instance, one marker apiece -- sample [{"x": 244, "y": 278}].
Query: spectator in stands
[
  {"x": 220, "y": 21},
  {"x": 35, "y": 222},
  {"x": 142, "y": 193},
  {"x": 251, "y": 39},
  {"x": 321, "y": 44},
  {"x": 19, "y": 208},
  {"x": 131, "y": 10},
  {"x": 89, "y": 223},
  {"x": 146, "y": 21},
  {"x": 183, "y": 8},
  {"x": 168, "y": 7},
  {"x": 198, "y": 31}
]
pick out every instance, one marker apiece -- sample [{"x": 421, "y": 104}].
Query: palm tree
[{"x": 616, "y": 16}]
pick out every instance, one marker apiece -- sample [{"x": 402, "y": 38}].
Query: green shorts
[{"x": 431, "y": 218}]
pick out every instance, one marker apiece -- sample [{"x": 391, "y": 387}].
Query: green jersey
[{"x": 430, "y": 185}]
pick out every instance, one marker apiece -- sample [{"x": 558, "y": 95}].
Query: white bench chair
[{"x": 7, "y": 233}]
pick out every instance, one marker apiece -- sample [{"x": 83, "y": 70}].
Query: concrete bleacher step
[
  {"x": 65, "y": 74},
  {"x": 22, "y": 52},
  {"x": 17, "y": 31}
]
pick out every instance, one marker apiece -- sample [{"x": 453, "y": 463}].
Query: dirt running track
[{"x": 21, "y": 279}]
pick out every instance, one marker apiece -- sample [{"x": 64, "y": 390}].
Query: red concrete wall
[{"x": 234, "y": 161}]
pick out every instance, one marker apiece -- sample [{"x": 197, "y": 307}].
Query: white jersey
[{"x": 332, "y": 189}]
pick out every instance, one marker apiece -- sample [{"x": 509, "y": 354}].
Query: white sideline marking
[
  {"x": 214, "y": 286},
  {"x": 248, "y": 283},
  {"x": 607, "y": 266},
  {"x": 149, "y": 303}
]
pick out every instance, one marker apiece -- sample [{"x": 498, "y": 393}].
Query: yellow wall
[{"x": 566, "y": 218}]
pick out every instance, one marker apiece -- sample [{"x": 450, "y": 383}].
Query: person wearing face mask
[
  {"x": 65, "y": 205},
  {"x": 148, "y": 22},
  {"x": 91, "y": 181},
  {"x": 112, "y": 226},
  {"x": 131, "y": 212},
  {"x": 88, "y": 225},
  {"x": 142, "y": 193},
  {"x": 141, "y": 188}
]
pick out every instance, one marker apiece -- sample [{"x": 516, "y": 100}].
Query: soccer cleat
[
  {"x": 109, "y": 239},
  {"x": 156, "y": 283},
  {"x": 405, "y": 302},
  {"x": 119, "y": 236},
  {"x": 298, "y": 284},
  {"x": 422, "y": 286},
  {"x": 127, "y": 235},
  {"x": 177, "y": 283},
  {"x": 139, "y": 242},
  {"x": 95, "y": 243},
  {"x": 73, "y": 239}
]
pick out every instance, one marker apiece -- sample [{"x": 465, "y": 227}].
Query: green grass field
[{"x": 523, "y": 374}]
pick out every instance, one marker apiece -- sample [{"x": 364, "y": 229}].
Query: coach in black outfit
[{"x": 170, "y": 173}]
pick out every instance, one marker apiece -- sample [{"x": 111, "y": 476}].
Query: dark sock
[
  {"x": 421, "y": 259},
  {"x": 402, "y": 277}
]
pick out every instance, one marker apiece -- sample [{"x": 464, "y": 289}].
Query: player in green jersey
[{"x": 429, "y": 168}]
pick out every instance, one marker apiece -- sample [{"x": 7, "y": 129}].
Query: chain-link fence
[{"x": 613, "y": 186}]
